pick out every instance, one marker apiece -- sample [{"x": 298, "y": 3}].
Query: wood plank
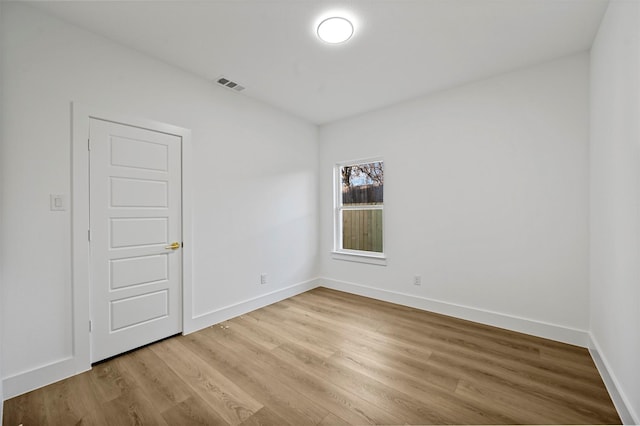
[
  {"x": 262, "y": 384},
  {"x": 330, "y": 358},
  {"x": 230, "y": 401},
  {"x": 532, "y": 410},
  {"x": 131, "y": 408},
  {"x": 265, "y": 417},
  {"x": 451, "y": 408},
  {"x": 193, "y": 411},
  {"x": 108, "y": 381},
  {"x": 27, "y": 409},
  {"x": 346, "y": 405},
  {"x": 152, "y": 374},
  {"x": 333, "y": 420},
  {"x": 272, "y": 321},
  {"x": 406, "y": 358},
  {"x": 388, "y": 398},
  {"x": 73, "y": 401},
  {"x": 83, "y": 392}
]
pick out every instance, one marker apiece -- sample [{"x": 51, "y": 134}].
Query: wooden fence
[
  {"x": 363, "y": 194},
  {"x": 362, "y": 230}
]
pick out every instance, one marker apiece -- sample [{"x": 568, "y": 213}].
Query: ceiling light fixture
[{"x": 335, "y": 30}]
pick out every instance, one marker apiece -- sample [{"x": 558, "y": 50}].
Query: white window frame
[{"x": 340, "y": 253}]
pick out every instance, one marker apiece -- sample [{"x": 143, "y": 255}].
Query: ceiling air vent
[{"x": 230, "y": 84}]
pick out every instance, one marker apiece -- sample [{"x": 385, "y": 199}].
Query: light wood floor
[{"x": 330, "y": 358}]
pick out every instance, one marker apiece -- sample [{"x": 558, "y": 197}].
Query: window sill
[{"x": 361, "y": 258}]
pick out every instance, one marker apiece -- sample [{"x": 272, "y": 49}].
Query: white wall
[
  {"x": 486, "y": 197},
  {"x": 615, "y": 202},
  {"x": 1, "y": 227},
  {"x": 254, "y": 171},
  {"x": 487, "y": 190}
]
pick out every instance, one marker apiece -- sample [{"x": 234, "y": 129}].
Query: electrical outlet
[
  {"x": 417, "y": 280},
  {"x": 263, "y": 278}
]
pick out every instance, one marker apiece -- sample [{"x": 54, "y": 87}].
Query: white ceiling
[{"x": 401, "y": 49}]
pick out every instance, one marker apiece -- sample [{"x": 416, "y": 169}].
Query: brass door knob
[{"x": 174, "y": 246}]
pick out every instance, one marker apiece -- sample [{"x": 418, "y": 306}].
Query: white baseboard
[
  {"x": 227, "y": 312},
  {"x": 523, "y": 325},
  {"x": 33, "y": 379},
  {"x": 619, "y": 398},
  {"x": 38, "y": 377}
]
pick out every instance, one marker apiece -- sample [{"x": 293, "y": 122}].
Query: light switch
[{"x": 58, "y": 202}]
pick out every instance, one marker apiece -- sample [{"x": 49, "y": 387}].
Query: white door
[{"x": 135, "y": 237}]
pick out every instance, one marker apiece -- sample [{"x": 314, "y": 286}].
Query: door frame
[{"x": 80, "y": 256}]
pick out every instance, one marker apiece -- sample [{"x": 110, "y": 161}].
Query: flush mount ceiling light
[{"x": 335, "y": 30}]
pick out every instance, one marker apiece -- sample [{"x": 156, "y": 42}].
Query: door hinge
[
  {"x": 90, "y": 328},
  {"x": 89, "y": 144},
  {"x": 89, "y": 234}
]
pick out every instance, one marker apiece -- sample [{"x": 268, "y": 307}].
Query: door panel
[
  {"x": 139, "y": 154},
  {"x": 137, "y": 232},
  {"x": 140, "y": 309},
  {"x": 139, "y": 193},
  {"x": 135, "y": 216},
  {"x": 138, "y": 270}
]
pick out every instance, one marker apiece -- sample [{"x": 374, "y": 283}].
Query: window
[{"x": 359, "y": 188}]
